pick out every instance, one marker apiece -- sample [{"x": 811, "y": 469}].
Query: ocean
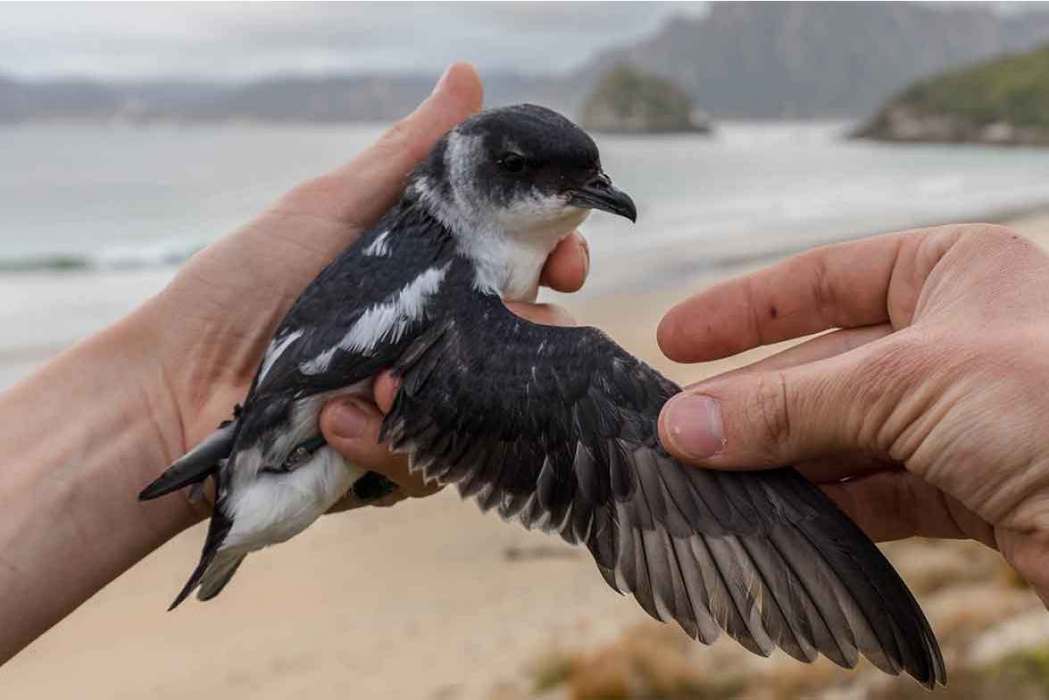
[
  {"x": 103, "y": 197},
  {"x": 95, "y": 218}
]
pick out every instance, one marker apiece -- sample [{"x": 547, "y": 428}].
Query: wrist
[{"x": 82, "y": 436}]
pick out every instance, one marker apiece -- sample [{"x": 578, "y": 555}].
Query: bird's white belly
[
  {"x": 274, "y": 507},
  {"x": 280, "y": 506}
]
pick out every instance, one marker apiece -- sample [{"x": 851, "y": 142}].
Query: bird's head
[{"x": 524, "y": 172}]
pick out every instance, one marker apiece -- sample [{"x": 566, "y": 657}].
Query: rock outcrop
[{"x": 627, "y": 101}]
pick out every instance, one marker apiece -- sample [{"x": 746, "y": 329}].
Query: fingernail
[
  {"x": 349, "y": 420},
  {"x": 441, "y": 81},
  {"x": 693, "y": 424}
]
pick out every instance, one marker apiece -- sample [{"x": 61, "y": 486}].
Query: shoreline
[{"x": 169, "y": 259}]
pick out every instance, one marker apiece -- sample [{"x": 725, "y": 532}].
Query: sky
[{"x": 223, "y": 41}]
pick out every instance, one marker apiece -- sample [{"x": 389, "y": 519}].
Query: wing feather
[{"x": 556, "y": 427}]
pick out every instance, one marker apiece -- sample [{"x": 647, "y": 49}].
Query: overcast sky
[{"x": 230, "y": 40}]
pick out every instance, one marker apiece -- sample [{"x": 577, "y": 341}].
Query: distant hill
[
  {"x": 820, "y": 59},
  {"x": 628, "y": 101},
  {"x": 55, "y": 99},
  {"x": 756, "y": 60},
  {"x": 336, "y": 98},
  {"x": 1000, "y": 101}
]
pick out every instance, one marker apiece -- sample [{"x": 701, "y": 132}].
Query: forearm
[{"x": 81, "y": 437}]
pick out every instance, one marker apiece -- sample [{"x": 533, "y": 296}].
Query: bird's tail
[
  {"x": 196, "y": 465},
  {"x": 215, "y": 568},
  {"x": 218, "y": 574}
]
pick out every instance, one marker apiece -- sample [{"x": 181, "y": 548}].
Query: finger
[
  {"x": 818, "y": 348},
  {"x": 357, "y": 193},
  {"x": 385, "y": 391},
  {"x": 776, "y": 417},
  {"x": 351, "y": 427},
  {"x": 844, "y": 286},
  {"x": 835, "y": 468},
  {"x": 543, "y": 314},
  {"x": 567, "y": 267},
  {"x": 893, "y": 505}
]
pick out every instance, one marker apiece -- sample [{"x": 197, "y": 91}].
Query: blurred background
[{"x": 133, "y": 134}]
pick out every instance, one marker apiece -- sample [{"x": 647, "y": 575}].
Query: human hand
[
  {"x": 215, "y": 319},
  {"x": 925, "y": 414}
]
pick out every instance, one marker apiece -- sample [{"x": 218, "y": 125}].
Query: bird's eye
[{"x": 512, "y": 162}]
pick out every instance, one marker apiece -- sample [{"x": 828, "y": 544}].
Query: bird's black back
[{"x": 413, "y": 241}]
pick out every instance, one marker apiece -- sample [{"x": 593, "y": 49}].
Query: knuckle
[
  {"x": 897, "y": 360},
  {"x": 994, "y": 237},
  {"x": 890, "y": 391},
  {"x": 823, "y": 289},
  {"x": 989, "y": 232},
  {"x": 769, "y": 410}
]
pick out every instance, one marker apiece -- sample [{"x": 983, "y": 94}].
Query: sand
[{"x": 429, "y": 599}]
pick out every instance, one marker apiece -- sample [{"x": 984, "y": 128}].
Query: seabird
[{"x": 553, "y": 427}]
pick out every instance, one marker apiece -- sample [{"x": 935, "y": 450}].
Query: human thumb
[{"x": 761, "y": 419}]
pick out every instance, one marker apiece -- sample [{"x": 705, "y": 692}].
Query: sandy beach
[{"x": 429, "y": 599}]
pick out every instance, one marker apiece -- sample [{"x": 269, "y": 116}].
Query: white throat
[
  {"x": 508, "y": 246},
  {"x": 509, "y": 261}
]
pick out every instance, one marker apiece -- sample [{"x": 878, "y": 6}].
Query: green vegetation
[
  {"x": 1013, "y": 89},
  {"x": 627, "y": 100},
  {"x": 1000, "y": 101},
  {"x": 551, "y": 671},
  {"x": 1026, "y": 671},
  {"x": 647, "y": 662}
]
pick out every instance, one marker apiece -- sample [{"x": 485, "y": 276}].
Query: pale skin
[
  {"x": 931, "y": 398},
  {"x": 88, "y": 430},
  {"x": 925, "y": 413}
]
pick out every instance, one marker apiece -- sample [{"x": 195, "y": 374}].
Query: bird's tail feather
[
  {"x": 219, "y": 573},
  {"x": 218, "y": 528},
  {"x": 196, "y": 465}
]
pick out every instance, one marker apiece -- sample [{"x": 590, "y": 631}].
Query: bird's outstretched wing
[{"x": 556, "y": 427}]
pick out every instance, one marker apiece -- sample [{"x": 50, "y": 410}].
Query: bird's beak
[{"x": 601, "y": 194}]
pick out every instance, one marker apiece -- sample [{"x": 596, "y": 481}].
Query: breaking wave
[{"x": 154, "y": 255}]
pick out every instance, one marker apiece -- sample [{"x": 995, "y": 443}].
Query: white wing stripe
[
  {"x": 385, "y": 322},
  {"x": 379, "y": 247},
  {"x": 276, "y": 349}
]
